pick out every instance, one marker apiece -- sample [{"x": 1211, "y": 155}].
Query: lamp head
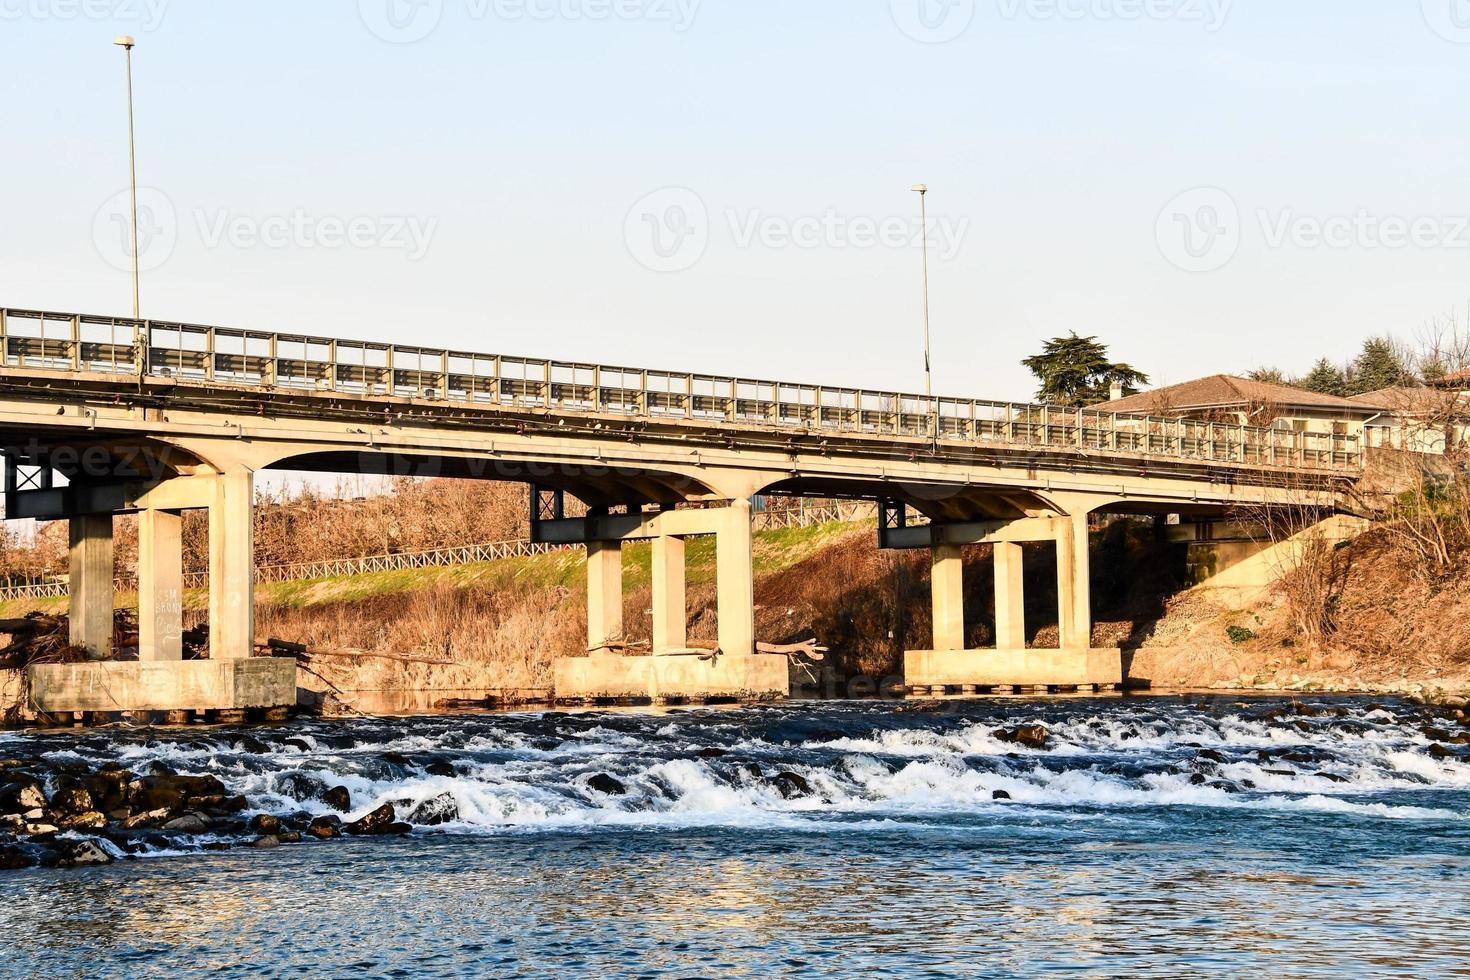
[
  {"x": 921, "y": 188},
  {"x": 124, "y": 42}
]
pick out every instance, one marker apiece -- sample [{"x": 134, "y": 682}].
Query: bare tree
[
  {"x": 1303, "y": 559},
  {"x": 1426, "y": 476}
]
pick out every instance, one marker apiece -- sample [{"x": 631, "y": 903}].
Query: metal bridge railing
[
  {"x": 217, "y": 355},
  {"x": 770, "y": 520}
]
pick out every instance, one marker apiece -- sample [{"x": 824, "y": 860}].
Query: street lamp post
[
  {"x": 126, "y": 43},
  {"x": 923, "y": 191}
]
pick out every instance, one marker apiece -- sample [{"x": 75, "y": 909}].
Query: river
[{"x": 1150, "y": 836}]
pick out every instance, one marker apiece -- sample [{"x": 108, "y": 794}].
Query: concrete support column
[
  {"x": 947, "y": 585},
  {"x": 604, "y": 593},
  {"x": 232, "y": 552},
  {"x": 1074, "y": 589},
  {"x": 160, "y": 585},
  {"x": 90, "y": 561},
  {"x": 1010, "y": 597},
  {"x": 735, "y": 580},
  {"x": 670, "y": 610},
  {"x": 216, "y": 548}
]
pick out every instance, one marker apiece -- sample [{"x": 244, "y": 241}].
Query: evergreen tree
[
  {"x": 1378, "y": 366},
  {"x": 1269, "y": 375},
  {"x": 1076, "y": 371},
  {"x": 1434, "y": 370},
  {"x": 1325, "y": 378}
]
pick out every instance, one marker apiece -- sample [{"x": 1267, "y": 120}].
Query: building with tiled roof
[{"x": 1227, "y": 398}]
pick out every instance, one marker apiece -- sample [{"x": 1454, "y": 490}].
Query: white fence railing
[
  {"x": 766, "y": 520},
  {"x": 229, "y": 358}
]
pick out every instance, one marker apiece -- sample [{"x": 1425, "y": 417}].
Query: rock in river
[
  {"x": 75, "y": 853},
  {"x": 21, "y": 797},
  {"x": 265, "y": 824},
  {"x": 437, "y": 810},
  {"x": 326, "y": 827},
  {"x": 171, "y": 791},
  {"x": 376, "y": 822},
  {"x": 790, "y": 784},
  {"x": 604, "y": 783},
  {"x": 72, "y": 800},
  {"x": 13, "y": 858},
  {"x": 1031, "y": 736},
  {"x": 301, "y": 786},
  {"x": 87, "y": 820},
  {"x": 189, "y": 823}
]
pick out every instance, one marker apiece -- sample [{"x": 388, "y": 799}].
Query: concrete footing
[
  {"x": 219, "y": 685},
  {"x": 1006, "y": 668},
  {"x": 603, "y": 675}
]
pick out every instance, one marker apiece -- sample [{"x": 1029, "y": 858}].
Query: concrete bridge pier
[
  {"x": 160, "y": 585},
  {"x": 670, "y": 603},
  {"x": 90, "y": 574},
  {"x": 673, "y": 670},
  {"x": 1074, "y": 663},
  {"x": 231, "y": 679}
]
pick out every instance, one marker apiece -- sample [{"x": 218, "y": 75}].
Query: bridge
[{"x": 103, "y": 415}]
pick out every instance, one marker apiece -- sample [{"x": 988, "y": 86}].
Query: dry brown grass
[{"x": 502, "y": 638}]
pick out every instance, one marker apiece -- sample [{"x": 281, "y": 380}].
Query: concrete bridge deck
[{"x": 104, "y": 415}]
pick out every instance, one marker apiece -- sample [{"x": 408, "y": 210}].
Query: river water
[{"x": 1156, "y": 836}]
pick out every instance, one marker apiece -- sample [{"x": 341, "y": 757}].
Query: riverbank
[{"x": 489, "y": 632}]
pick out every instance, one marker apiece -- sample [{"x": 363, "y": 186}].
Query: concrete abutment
[
  {"x": 1011, "y": 663},
  {"x": 672, "y": 670},
  {"x": 161, "y": 680}
]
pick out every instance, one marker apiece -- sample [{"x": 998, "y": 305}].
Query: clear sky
[{"x": 723, "y": 185}]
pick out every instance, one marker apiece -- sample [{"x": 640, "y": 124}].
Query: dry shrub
[
  {"x": 414, "y": 515},
  {"x": 1306, "y": 570},
  {"x": 509, "y": 636},
  {"x": 867, "y": 605},
  {"x": 1430, "y": 519},
  {"x": 1309, "y": 583}
]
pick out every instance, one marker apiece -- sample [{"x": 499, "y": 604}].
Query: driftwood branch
[
  {"x": 806, "y": 648},
  {"x": 303, "y": 654}
]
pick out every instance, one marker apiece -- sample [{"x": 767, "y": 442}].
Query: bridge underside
[{"x": 100, "y": 447}]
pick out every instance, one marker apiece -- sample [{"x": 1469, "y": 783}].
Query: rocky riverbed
[
  {"x": 68, "y": 814},
  {"x": 1169, "y": 836},
  {"x": 70, "y": 798}
]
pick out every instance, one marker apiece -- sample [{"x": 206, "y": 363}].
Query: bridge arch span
[
  {"x": 940, "y": 502},
  {"x": 593, "y": 483}
]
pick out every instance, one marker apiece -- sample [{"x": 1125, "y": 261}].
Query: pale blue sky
[{"x": 1051, "y": 133}]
